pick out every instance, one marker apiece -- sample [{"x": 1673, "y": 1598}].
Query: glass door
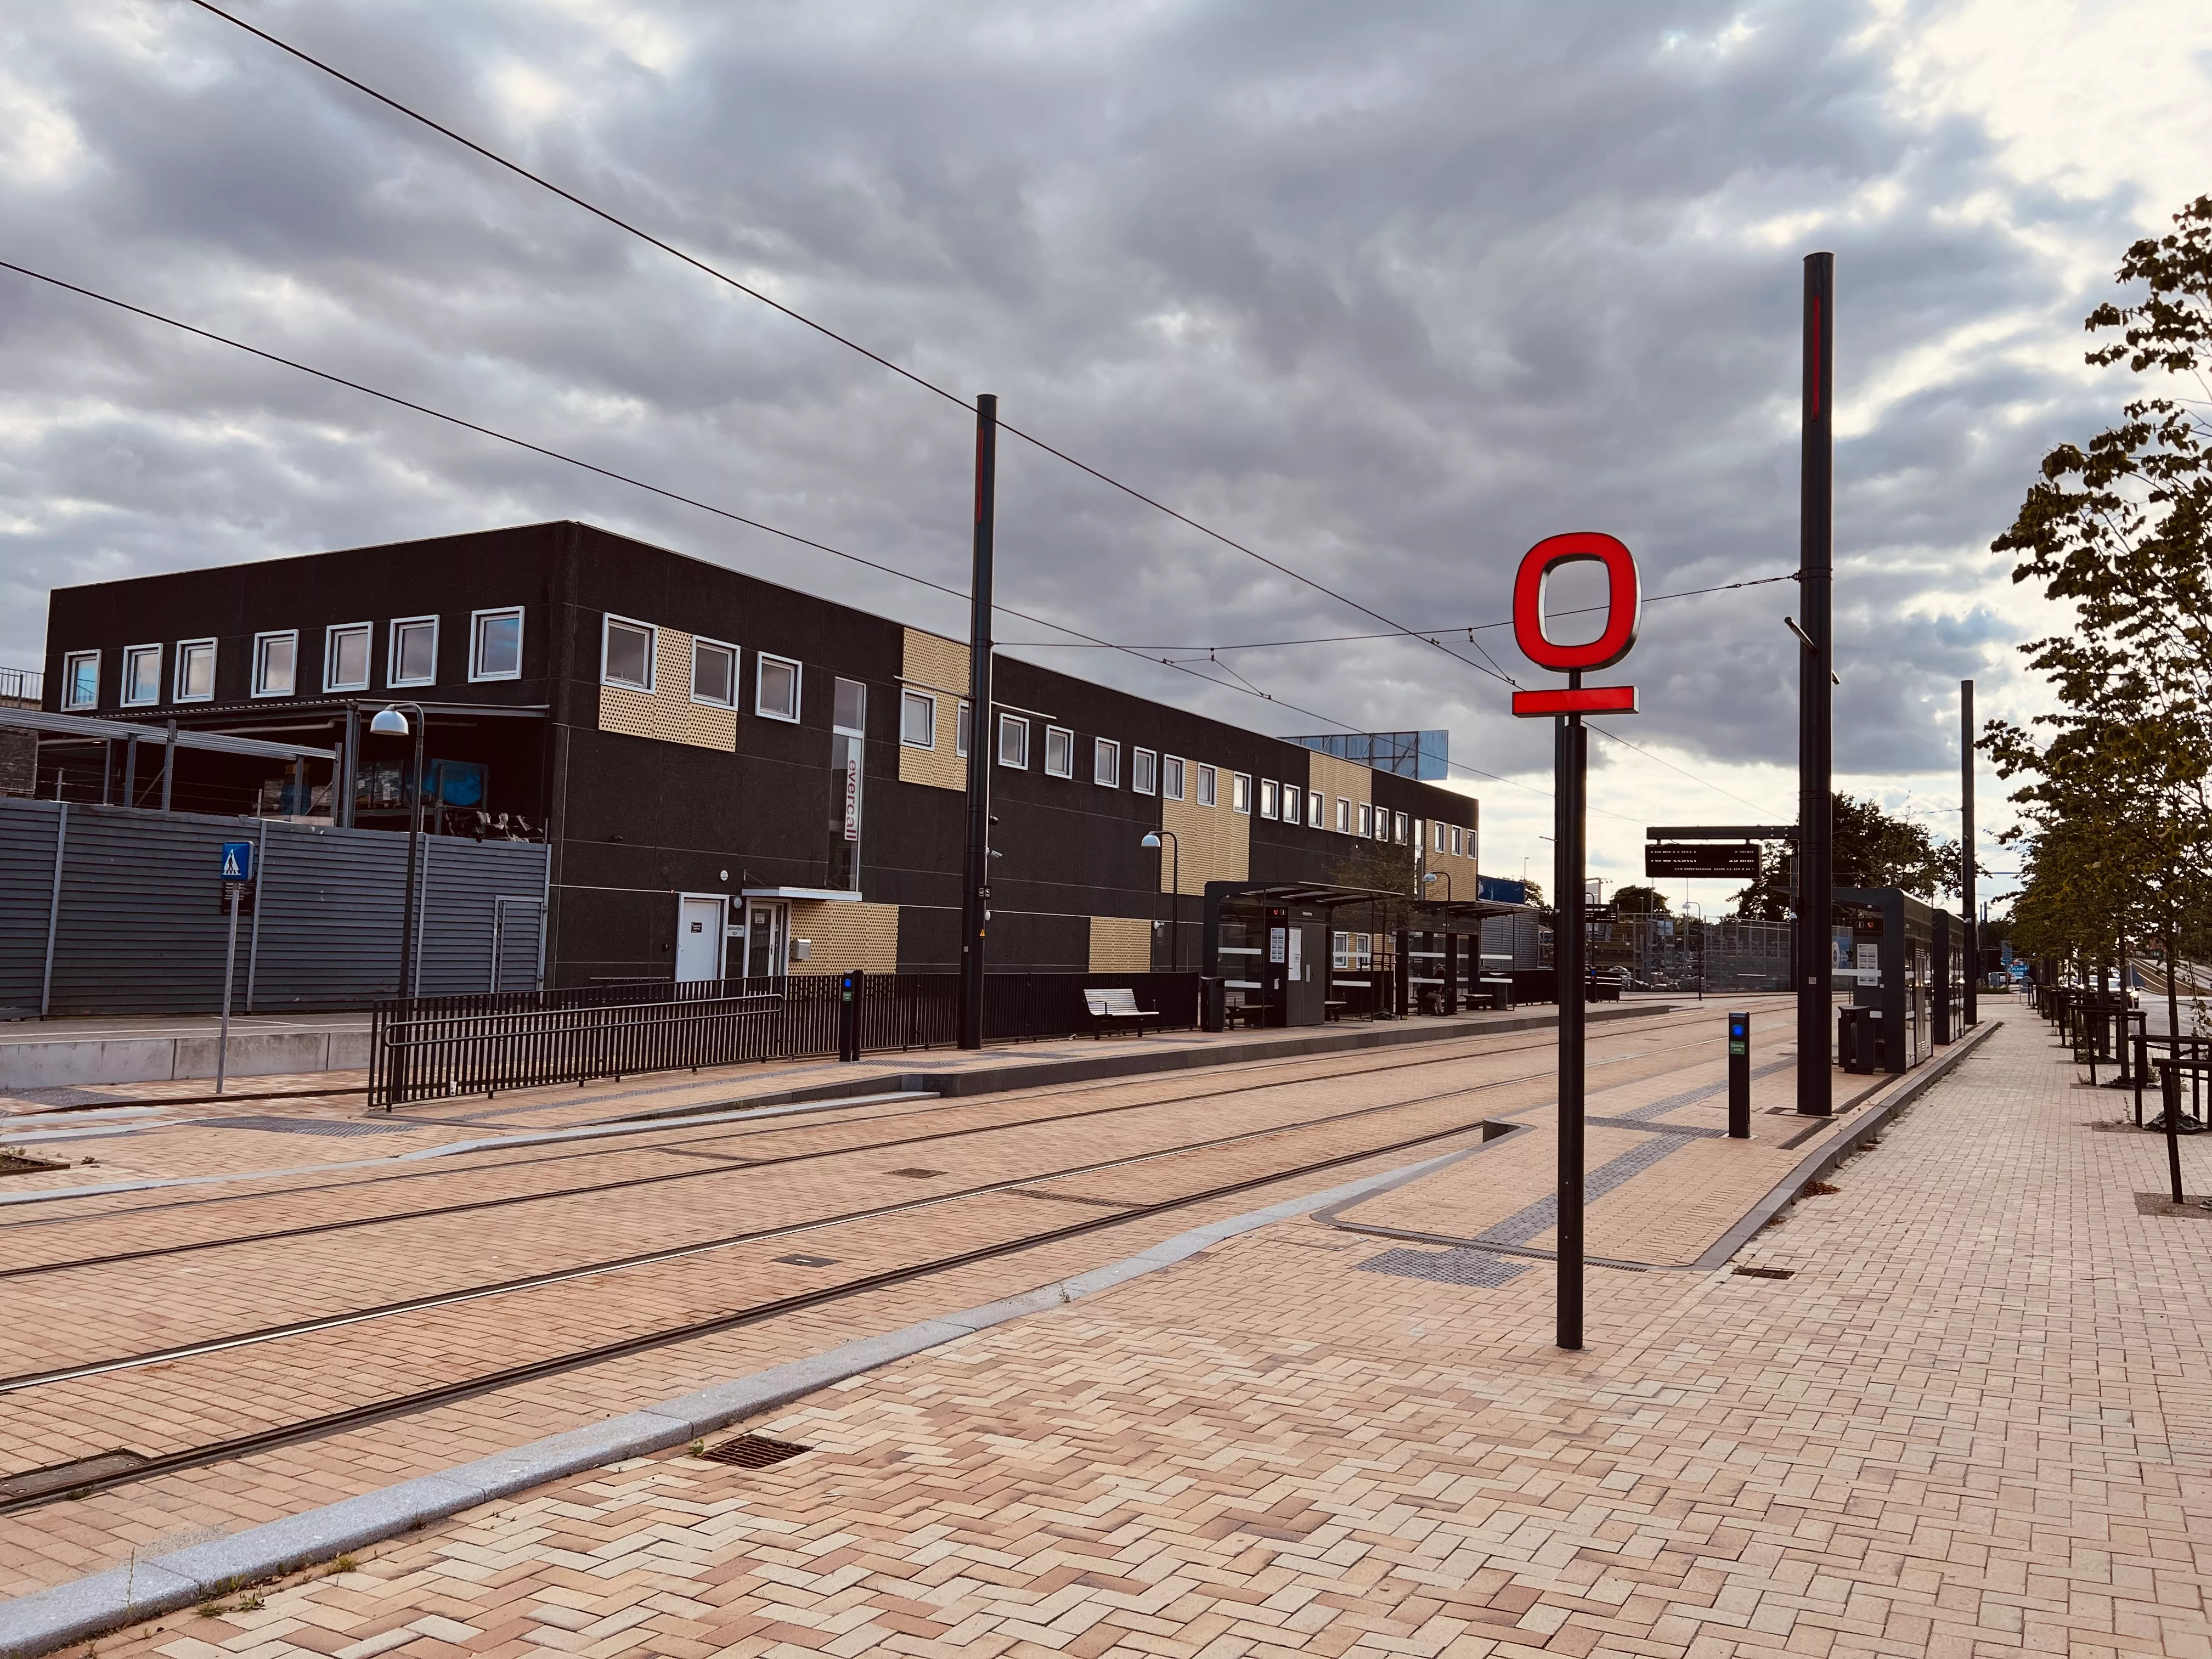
[{"x": 764, "y": 949}]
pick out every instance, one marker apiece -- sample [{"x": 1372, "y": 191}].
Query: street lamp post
[
  {"x": 391, "y": 722},
  {"x": 1175, "y": 892}
]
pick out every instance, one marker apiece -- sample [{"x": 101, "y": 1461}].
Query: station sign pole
[
  {"x": 237, "y": 877},
  {"x": 1567, "y": 707}
]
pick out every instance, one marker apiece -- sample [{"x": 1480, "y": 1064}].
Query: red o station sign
[{"x": 1623, "y": 607}]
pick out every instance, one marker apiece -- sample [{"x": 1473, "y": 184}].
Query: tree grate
[{"x": 753, "y": 1451}]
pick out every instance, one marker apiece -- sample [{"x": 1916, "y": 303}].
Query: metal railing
[{"x": 431, "y": 1048}]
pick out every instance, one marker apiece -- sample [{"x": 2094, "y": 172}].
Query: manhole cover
[
  {"x": 61, "y": 1477},
  {"x": 300, "y": 1125},
  {"x": 753, "y": 1451},
  {"x": 918, "y": 1174},
  {"x": 798, "y": 1260}
]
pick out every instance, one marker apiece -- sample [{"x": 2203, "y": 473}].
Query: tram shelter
[
  {"x": 1300, "y": 953},
  {"x": 1905, "y": 960}
]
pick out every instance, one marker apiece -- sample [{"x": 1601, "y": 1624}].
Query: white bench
[{"x": 1116, "y": 1009}]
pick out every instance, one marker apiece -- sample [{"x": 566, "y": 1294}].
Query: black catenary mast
[
  {"x": 1973, "y": 949},
  {"x": 976, "y": 869},
  {"x": 1816, "y": 864}
]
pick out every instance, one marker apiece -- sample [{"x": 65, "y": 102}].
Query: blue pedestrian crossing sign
[{"x": 238, "y": 860}]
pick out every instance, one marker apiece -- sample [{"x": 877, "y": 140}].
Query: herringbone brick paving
[
  {"x": 1972, "y": 1423},
  {"x": 238, "y": 1395}
]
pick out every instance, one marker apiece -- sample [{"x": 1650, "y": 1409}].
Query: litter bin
[
  {"x": 1858, "y": 1039},
  {"x": 1498, "y": 991}
]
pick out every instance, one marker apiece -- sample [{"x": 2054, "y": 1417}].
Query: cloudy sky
[{"x": 1386, "y": 292}]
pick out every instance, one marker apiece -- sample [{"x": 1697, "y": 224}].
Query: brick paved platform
[{"x": 1972, "y": 1420}]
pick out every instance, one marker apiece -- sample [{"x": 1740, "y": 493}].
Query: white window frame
[
  {"x": 1008, "y": 725},
  {"x": 1209, "y": 786},
  {"x": 260, "y": 641},
  {"x": 964, "y": 729},
  {"x": 1444, "y": 839},
  {"x": 1294, "y": 801},
  {"x": 477, "y": 620},
  {"x": 1316, "y": 809},
  {"x": 184, "y": 650},
  {"x": 332, "y": 635},
  {"x": 1066, "y": 767},
  {"x": 1137, "y": 782},
  {"x": 1344, "y": 815},
  {"x": 1404, "y": 827},
  {"x": 1240, "y": 793},
  {"x": 1364, "y": 816},
  {"x": 393, "y": 630},
  {"x": 761, "y": 661},
  {"x": 153, "y": 681},
  {"x": 1174, "y": 766},
  {"x": 699, "y": 641},
  {"x": 1271, "y": 799},
  {"x": 1106, "y": 763},
  {"x": 909, "y": 698},
  {"x": 608, "y": 623},
  {"x": 69, "y": 660},
  {"x": 1455, "y": 838}
]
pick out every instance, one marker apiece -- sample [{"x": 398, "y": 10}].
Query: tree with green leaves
[
  {"x": 1873, "y": 848},
  {"x": 1634, "y": 899},
  {"x": 2114, "y": 782}
]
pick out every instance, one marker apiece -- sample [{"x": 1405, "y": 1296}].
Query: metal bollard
[
  {"x": 1739, "y": 1039},
  {"x": 849, "y": 1016}
]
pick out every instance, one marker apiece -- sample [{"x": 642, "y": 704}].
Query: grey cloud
[{"x": 1390, "y": 292}]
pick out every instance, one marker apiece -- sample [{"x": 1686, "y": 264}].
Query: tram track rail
[
  {"x": 723, "y": 1133},
  {"x": 324, "y": 1425}
]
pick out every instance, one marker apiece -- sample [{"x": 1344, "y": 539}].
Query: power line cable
[
  {"x": 1423, "y": 633},
  {"x": 697, "y": 263},
  {"x": 691, "y": 501}
]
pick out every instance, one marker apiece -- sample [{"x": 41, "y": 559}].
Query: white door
[{"x": 699, "y": 940}]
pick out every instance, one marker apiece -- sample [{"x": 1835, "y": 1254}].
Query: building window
[
  {"x": 963, "y": 732},
  {"x": 345, "y": 656},
  {"x": 80, "y": 680},
  {"x": 1454, "y": 841},
  {"x": 1013, "y": 741},
  {"x": 1058, "y": 752},
  {"x": 1145, "y": 772},
  {"x": 495, "y": 644},
  {"x": 1366, "y": 819},
  {"x": 141, "y": 674},
  {"x": 775, "y": 687},
  {"x": 195, "y": 670},
  {"x": 849, "y": 709},
  {"x": 1106, "y": 763},
  {"x": 1316, "y": 807},
  {"x": 1171, "y": 769},
  {"x": 276, "y": 656},
  {"x": 1271, "y": 799},
  {"x": 1209, "y": 787},
  {"x": 1240, "y": 793},
  {"x": 626, "y": 654},
  {"x": 714, "y": 673},
  {"x": 414, "y": 651},
  {"x": 1404, "y": 835},
  {"x": 1292, "y": 795},
  {"x": 1443, "y": 841},
  {"x": 917, "y": 719},
  {"x": 1343, "y": 816}
]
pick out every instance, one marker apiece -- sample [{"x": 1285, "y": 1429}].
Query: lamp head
[
  {"x": 1152, "y": 840},
  {"x": 1433, "y": 875},
  {"x": 389, "y": 723}
]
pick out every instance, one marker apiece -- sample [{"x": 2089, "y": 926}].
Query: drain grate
[
  {"x": 916, "y": 1174},
  {"x": 17, "y": 1163},
  {"x": 753, "y": 1451},
  {"x": 1765, "y": 1273},
  {"x": 1476, "y": 1269},
  {"x": 61, "y": 1477},
  {"x": 301, "y": 1126},
  {"x": 798, "y": 1261}
]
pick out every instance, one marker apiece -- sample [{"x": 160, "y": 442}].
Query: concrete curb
[
  {"x": 1826, "y": 1158},
  {"x": 90, "y": 1607}
]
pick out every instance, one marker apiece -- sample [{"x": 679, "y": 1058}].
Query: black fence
[{"x": 430, "y": 1048}]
